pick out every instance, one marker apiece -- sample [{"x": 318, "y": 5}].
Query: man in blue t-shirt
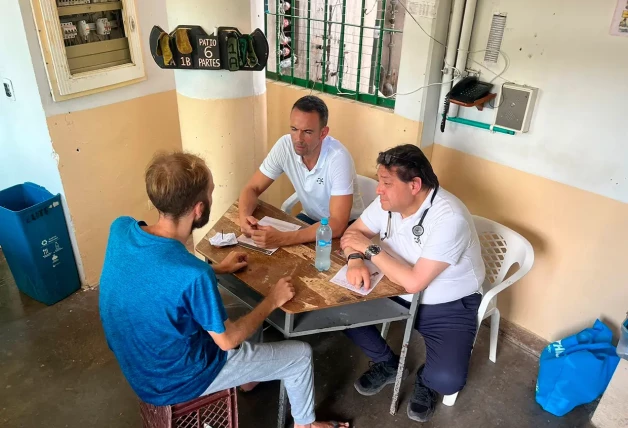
[{"x": 163, "y": 316}]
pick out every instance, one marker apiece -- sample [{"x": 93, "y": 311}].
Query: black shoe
[
  {"x": 377, "y": 377},
  {"x": 423, "y": 402}
]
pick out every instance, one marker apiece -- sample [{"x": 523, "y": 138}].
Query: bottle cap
[{"x": 324, "y": 221}]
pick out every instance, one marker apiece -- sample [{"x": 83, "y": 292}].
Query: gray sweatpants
[{"x": 290, "y": 361}]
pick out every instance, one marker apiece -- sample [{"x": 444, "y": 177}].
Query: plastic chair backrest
[
  {"x": 501, "y": 249},
  {"x": 368, "y": 189}
]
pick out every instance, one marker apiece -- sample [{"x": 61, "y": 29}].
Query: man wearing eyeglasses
[
  {"x": 321, "y": 170},
  {"x": 428, "y": 243}
]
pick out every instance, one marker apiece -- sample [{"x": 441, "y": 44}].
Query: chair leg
[
  {"x": 385, "y": 328},
  {"x": 494, "y": 334},
  {"x": 283, "y": 406},
  {"x": 402, "y": 363},
  {"x": 450, "y": 400}
]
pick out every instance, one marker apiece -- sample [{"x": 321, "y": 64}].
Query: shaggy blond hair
[{"x": 176, "y": 182}]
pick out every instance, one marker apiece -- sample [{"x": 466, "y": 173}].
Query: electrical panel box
[
  {"x": 515, "y": 107},
  {"x": 89, "y": 45}
]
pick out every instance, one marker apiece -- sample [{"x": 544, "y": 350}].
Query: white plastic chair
[
  {"x": 366, "y": 186},
  {"x": 501, "y": 249}
]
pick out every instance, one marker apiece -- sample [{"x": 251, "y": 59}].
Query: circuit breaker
[{"x": 88, "y": 45}]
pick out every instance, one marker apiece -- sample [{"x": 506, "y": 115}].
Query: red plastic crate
[{"x": 218, "y": 410}]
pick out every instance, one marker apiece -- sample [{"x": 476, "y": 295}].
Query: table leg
[
  {"x": 385, "y": 328},
  {"x": 404, "y": 352},
  {"x": 288, "y": 325}
]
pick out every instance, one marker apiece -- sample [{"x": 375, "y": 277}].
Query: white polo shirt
[
  {"x": 333, "y": 175},
  {"x": 449, "y": 236}
]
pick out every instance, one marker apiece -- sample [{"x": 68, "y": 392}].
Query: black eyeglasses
[{"x": 388, "y": 158}]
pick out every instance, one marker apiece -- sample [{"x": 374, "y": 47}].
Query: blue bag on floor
[{"x": 576, "y": 370}]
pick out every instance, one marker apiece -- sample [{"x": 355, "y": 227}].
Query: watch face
[{"x": 373, "y": 250}]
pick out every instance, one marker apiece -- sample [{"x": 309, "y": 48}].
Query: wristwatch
[
  {"x": 371, "y": 251},
  {"x": 355, "y": 256}
]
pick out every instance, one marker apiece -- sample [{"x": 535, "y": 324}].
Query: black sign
[
  {"x": 208, "y": 53},
  {"x": 226, "y": 50}
]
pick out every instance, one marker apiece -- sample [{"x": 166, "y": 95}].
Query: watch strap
[{"x": 355, "y": 256}]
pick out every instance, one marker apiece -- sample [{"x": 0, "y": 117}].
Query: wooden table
[{"x": 318, "y": 305}]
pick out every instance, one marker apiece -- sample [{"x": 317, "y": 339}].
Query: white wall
[
  {"x": 150, "y": 12},
  {"x": 578, "y": 134},
  {"x": 413, "y": 68},
  {"x": 26, "y": 152}
]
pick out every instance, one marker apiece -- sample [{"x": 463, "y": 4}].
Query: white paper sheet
[
  {"x": 280, "y": 225},
  {"x": 341, "y": 278},
  {"x": 223, "y": 240}
]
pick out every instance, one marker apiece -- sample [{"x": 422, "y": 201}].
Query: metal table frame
[{"x": 380, "y": 311}]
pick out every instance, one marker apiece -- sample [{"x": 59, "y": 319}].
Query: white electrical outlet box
[{"x": 515, "y": 106}]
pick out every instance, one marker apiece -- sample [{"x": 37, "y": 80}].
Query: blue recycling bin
[{"x": 35, "y": 241}]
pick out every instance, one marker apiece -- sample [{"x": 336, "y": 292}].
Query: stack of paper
[
  {"x": 280, "y": 225},
  {"x": 341, "y": 278}
]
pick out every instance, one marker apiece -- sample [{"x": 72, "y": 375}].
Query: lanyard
[{"x": 418, "y": 229}]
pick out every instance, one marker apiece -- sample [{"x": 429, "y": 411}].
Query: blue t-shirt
[{"x": 157, "y": 303}]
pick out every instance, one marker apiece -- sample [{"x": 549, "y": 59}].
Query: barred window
[{"x": 349, "y": 48}]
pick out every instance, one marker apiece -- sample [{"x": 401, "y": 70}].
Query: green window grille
[{"x": 349, "y": 48}]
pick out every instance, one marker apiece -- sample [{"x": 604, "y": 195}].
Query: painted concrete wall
[
  {"x": 578, "y": 132},
  {"x": 104, "y": 141},
  {"x": 26, "y": 150},
  {"x": 103, "y": 153},
  {"x": 564, "y": 185},
  {"x": 580, "y": 242}
]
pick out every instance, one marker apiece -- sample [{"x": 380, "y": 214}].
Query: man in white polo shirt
[
  {"x": 321, "y": 171},
  {"x": 428, "y": 243}
]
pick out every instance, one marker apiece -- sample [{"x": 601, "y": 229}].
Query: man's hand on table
[
  {"x": 358, "y": 274},
  {"x": 281, "y": 293},
  {"x": 356, "y": 240},
  {"x": 235, "y": 261},
  {"x": 269, "y": 237},
  {"x": 248, "y": 225}
]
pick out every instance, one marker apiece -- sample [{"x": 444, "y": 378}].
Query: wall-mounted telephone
[{"x": 465, "y": 92}]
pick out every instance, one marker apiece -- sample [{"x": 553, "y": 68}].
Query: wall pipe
[
  {"x": 465, "y": 42},
  {"x": 452, "y": 46},
  {"x": 482, "y": 125}
]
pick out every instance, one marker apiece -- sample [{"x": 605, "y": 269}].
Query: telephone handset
[{"x": 467, "y": 91}]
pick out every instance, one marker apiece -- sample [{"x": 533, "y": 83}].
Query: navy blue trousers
[
  {"x": 449, "y": 332},
  {"x": 308, "y": 220},
  {"x": 305, "y": 218}
]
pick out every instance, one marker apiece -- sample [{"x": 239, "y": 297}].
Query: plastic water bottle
[
  {"x": 622, "y": 346},
  {"x": 323, "y": 246}
]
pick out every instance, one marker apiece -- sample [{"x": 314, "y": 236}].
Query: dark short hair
[
  {"x": 176, "y": 182},
  {"x": 310, "y": 104},
  {"x": 409, "y": 163}
]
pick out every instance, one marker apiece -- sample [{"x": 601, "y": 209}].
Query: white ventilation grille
[{"x": 495, "y": 37}]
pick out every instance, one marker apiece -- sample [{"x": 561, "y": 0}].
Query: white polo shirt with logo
[
  {"x": 333, "y": 175},
  {"x": 449, "y": 236}
]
